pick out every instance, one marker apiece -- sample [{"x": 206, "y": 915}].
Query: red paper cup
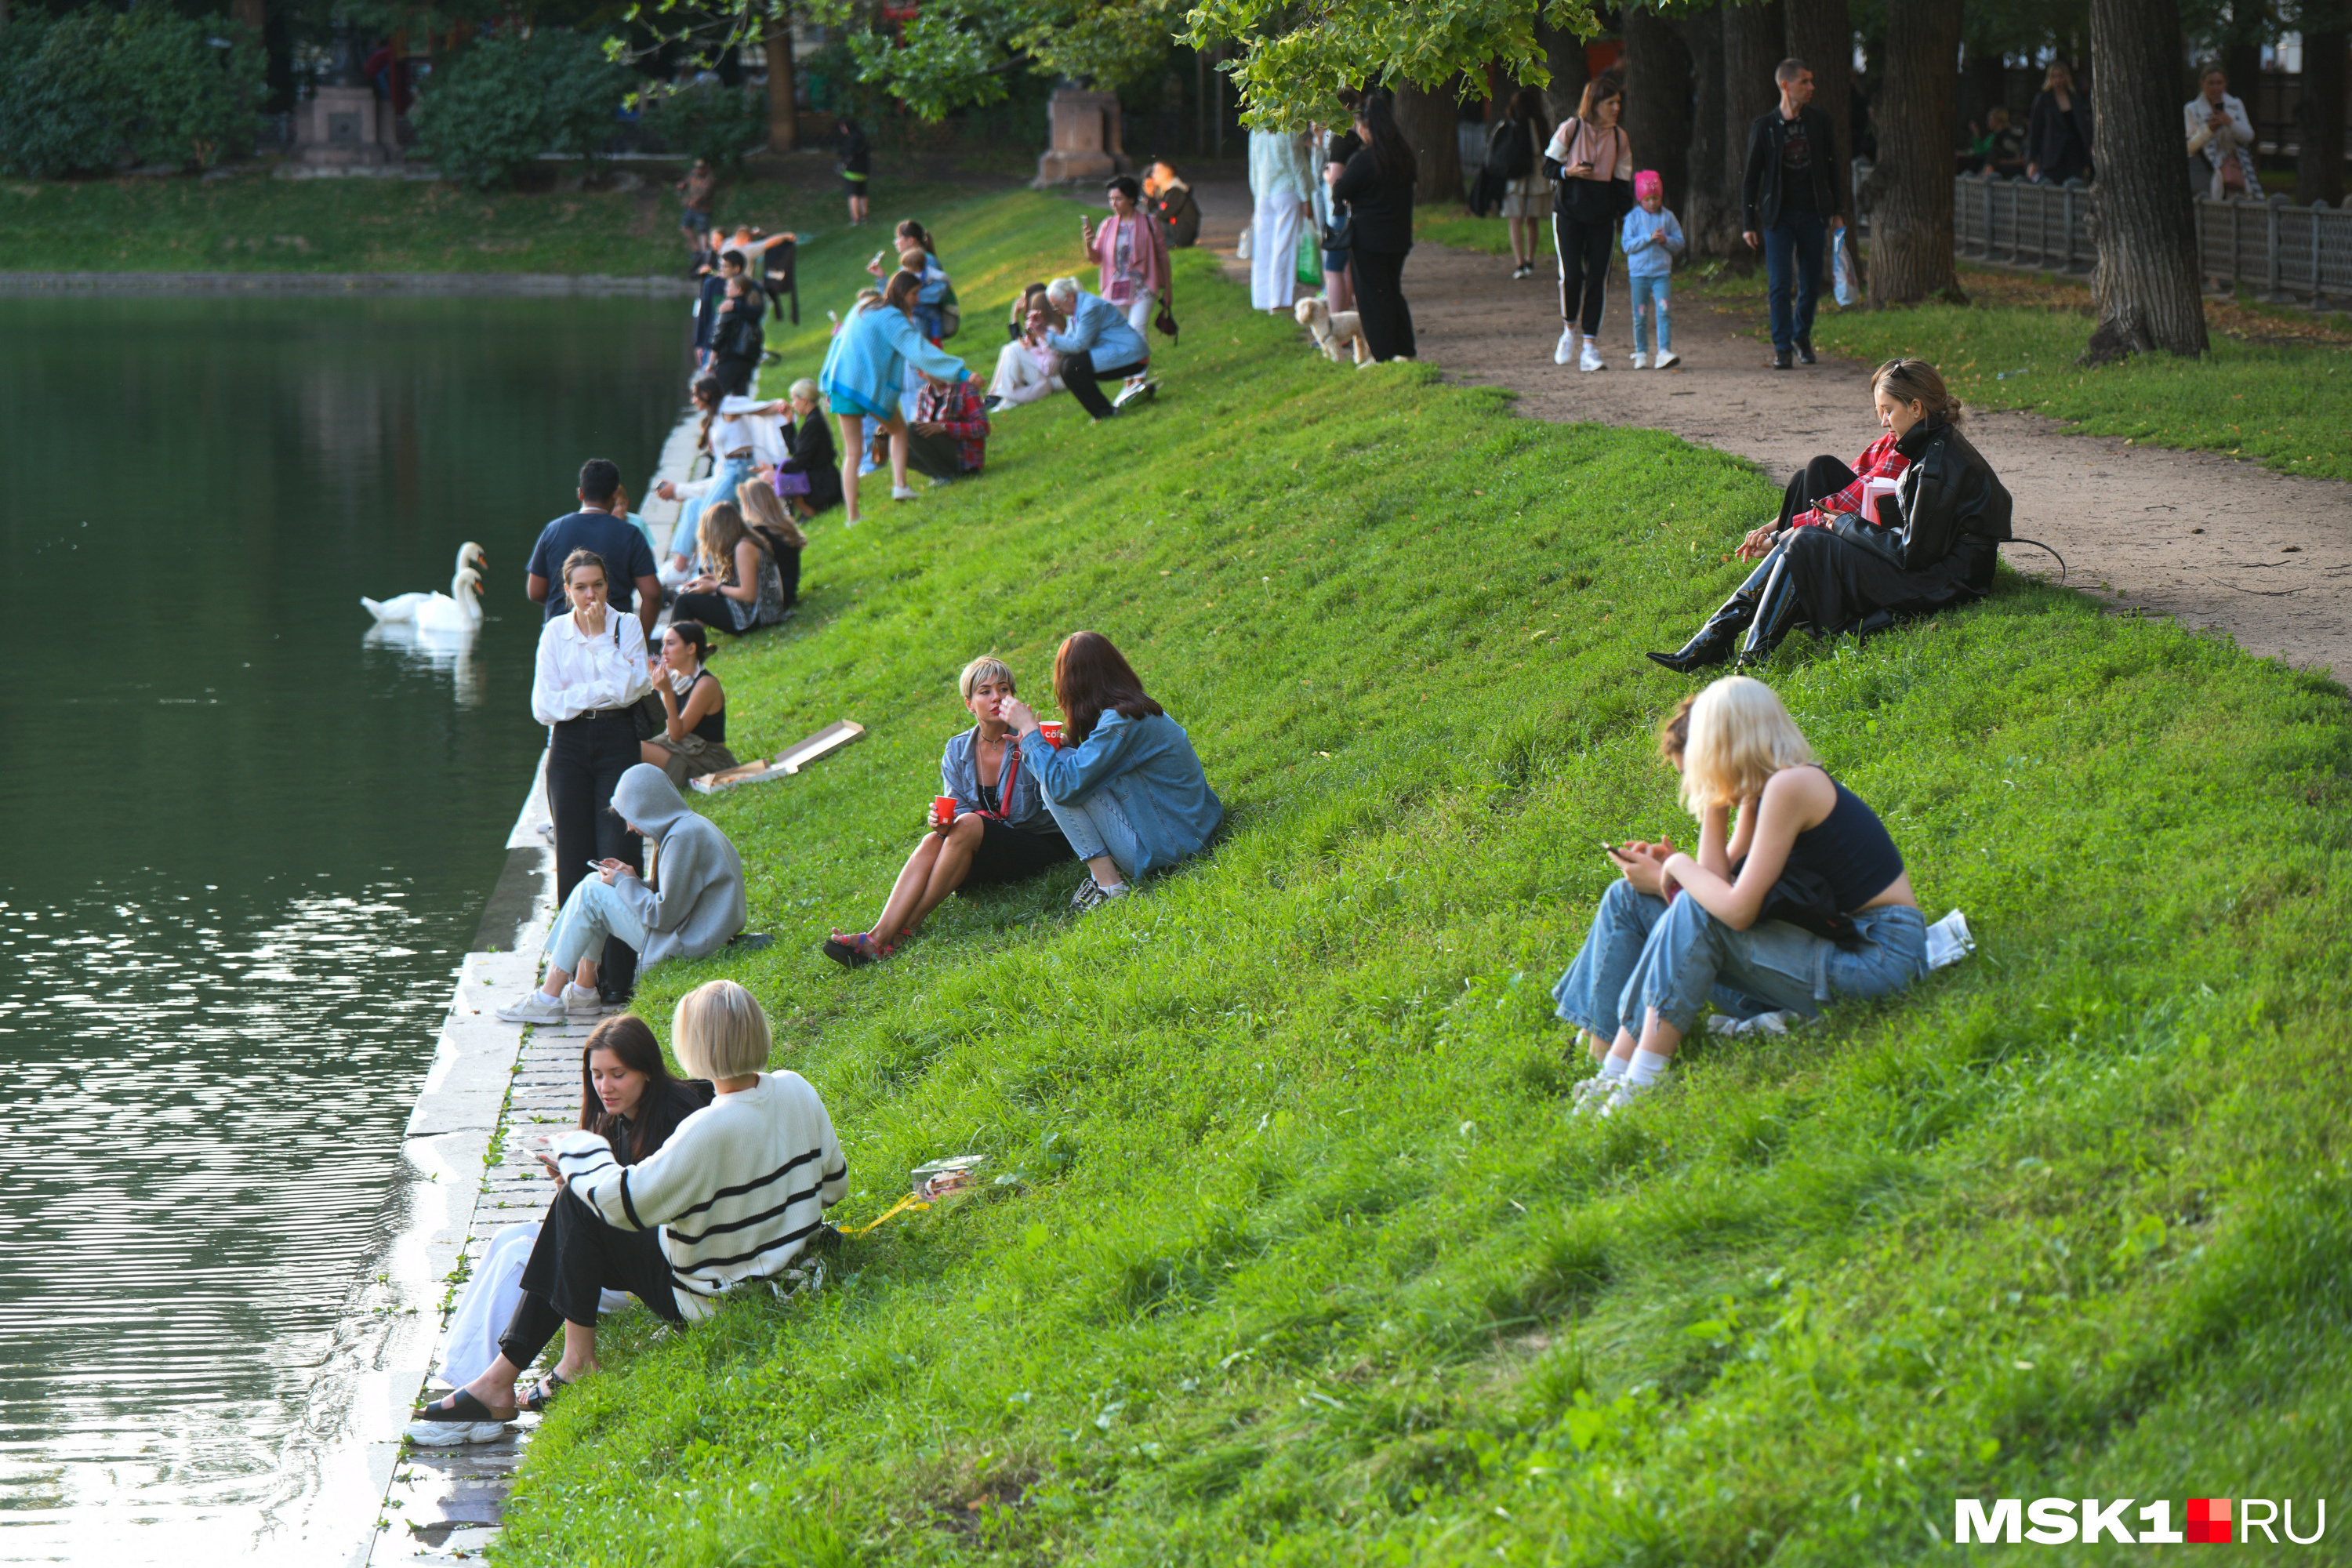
[
  {"x": 943, "y": 807},
  {"x": 1053, "y": 732}
]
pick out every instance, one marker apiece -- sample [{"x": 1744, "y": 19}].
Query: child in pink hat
[{"x": 1651, "y": 239}]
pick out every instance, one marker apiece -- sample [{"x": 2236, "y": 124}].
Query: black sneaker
[
  {"x": 1780, "y": 359},
  {"x": 988, "y": 404},
  {"x": 1804, "y": 353}
]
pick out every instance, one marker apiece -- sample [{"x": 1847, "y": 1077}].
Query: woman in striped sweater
[{"x": 735, "y": 1196}]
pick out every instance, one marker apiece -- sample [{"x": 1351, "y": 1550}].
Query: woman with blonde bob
[
  {"x": 1803, "y": 900},
  {"x": 735, "y": 1196}
]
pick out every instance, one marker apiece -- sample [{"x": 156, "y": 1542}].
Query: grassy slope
[
  {"x": 1298, "y": 1261},
  {"x": 2284, "y": 403},
  {"x": 252, "y": 223}
]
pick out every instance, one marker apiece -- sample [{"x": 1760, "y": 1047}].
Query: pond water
[{"x": 250, "y": 840}]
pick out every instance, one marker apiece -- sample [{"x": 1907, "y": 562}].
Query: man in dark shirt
[
  {"x": 628, "y": 559},
  {"x": 1791, "y": 193}
]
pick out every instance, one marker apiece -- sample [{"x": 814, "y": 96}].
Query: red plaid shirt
[
  {"x": 956, "y": 410},
  {"x": 1879, "y": 460}
]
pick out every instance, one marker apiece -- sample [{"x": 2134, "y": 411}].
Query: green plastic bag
[{"x": 1310, "y": 254}]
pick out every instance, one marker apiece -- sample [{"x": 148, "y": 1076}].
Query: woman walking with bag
[
  {"x": 1376, "y": 186},
  {"x": 1594, "y": 163},
  {"x": 1515, "y": 154}
]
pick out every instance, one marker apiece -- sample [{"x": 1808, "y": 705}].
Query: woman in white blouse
[{"x": 590, "y": 672}]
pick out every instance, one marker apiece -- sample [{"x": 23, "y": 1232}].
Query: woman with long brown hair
[
  {"x": 1594, "y": 163},
  {"x": 1125, "y": 784},
  {"x": 743, "y": 588}
]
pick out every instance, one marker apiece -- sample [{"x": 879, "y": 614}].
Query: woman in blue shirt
[
  {"x": 864, "y": 371},
  {"x": 1125, "y": 785}
]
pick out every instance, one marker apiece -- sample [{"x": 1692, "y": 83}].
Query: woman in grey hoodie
[{"x": 698, "y": 905}]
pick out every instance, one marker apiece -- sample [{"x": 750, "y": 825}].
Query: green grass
[
  {"x": 1291, "y": 1257},
  {"x": 252, "y": 223}
]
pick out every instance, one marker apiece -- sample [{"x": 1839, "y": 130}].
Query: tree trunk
[
  {"x": 1821, "y": 35},
  {"x": 1711, "y": 221},
  {"x": 1755, "y": 42},
  {"x": 2145, "y": 220},
  {"x": 254, "y": 14},
  {"x": 1564, "y": 57},
  {"x": 783, "y": 110},
  {"x": 1427, "y": 121},
  {"x": 1658, "y": 101},
  {"x": 1911, "y": 185},
  {"x": 2319, "y": 119}
]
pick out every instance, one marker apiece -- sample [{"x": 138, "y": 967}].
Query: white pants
[
  {"x": 1139, "y": 312},
  {"x": 1018, "y": 379},
  {"x": 487, "y": 1302},
  {"x": 1273, "y": 253}
]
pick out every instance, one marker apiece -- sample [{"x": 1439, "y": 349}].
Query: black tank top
[
  {"x": 1850, "y": 849},
  {"x": 713, "y": 727}
]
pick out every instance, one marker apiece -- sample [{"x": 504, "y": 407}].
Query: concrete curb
[{"x": 466, "y": 283}]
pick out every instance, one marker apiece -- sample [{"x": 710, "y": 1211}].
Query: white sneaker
[
  {"x": 454, "y": 1434},
  {"x": 1641, "y": 359},
  {"x": 581, "y": 999},
  {"x": 1588, "y": 1094},
  {"x": 903, "y": 492},
  {"x": 1566, "y": 348},
  {"x": 1665, "y": 358},
  {"x": 1591, "y": 359},
  {"x": 1625, "y": 1092},
  {"x": 536, "y": 1008}
]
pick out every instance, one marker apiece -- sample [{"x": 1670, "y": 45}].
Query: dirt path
[{"x": 2213, "y": 542}]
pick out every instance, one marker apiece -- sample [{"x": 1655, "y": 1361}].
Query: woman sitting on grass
[
  {"x": 1806, "y": 902},
  {"x": 728, "y": 438},
  {"x": 772, "y": 524},
  {"x": 1001, "y": 833},
  {"x": 628, "y": 1097},
  {"x": 697, "y": 906},
  {"x": 745, "y": 587},
  {"x": 735, "y": 1196},
  {"x": 693, "y": 740},
  {"x": 1933, "y": 542},
  {"x": 1125, "y": 785},
  {"x": 1026, "y": 370},
  {"x": 809, "y": 479}
]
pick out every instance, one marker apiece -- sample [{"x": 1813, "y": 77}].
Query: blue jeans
[
  {"x": 1690, "y": 952},
  {"x": 593, "y": 912},
  {"x": 1650, "y": 291},
  {"x": 1595, "y": 993},
  {"x": 1096, "y": 826},
  {"x": 1798, "y": 239},
  {"x": 723, "y": 480}
]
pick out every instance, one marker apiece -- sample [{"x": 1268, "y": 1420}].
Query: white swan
[{"x": 454, "y": 611}]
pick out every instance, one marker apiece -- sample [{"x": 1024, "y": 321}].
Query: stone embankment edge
[
  {"x": 471, "y": 283},
  {"x": 446, "y": 1153}
]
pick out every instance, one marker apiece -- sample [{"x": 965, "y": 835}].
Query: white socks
[
  {"x": 1614, "y": 1067},
  {"x": 1648, "y": 1066}
]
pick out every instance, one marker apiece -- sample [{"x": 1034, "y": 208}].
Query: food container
[{"x": 942, "y": 1177}]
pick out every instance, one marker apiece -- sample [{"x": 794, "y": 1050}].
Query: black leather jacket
[{"x": 1948, "y": 494}]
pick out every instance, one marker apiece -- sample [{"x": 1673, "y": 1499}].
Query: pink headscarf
[{"x": 1647, "y": 182}]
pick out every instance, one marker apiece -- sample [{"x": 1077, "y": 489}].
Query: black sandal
[
  {"x": 543, "y": 1393},
  {"x": 462, "y": 1406}
]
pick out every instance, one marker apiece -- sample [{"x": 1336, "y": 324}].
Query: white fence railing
[{"x": 2266, "y": 249}]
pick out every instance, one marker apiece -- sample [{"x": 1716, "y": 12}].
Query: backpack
[
  {"x": 1510, "y": 151},
  {"x": 950, "y": 314}
]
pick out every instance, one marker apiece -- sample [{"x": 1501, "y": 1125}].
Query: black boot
[
  {"x": 1714, "y": 642},
  {"x": 1776, "y": 612}
]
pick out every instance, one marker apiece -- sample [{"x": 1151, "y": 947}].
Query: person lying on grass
[
  {"x": 1807, "y": 901},
  {"x": 693, "y": 740},
  {"x": 628, "y": 1097},
  {"x": 1933, "y": 542},
  {"x": 697, "y": 907},
  {"x": 1125, "y": 785},
  {"x": 1002, "y": 831},
  {"x": 734, "y": 1197}
]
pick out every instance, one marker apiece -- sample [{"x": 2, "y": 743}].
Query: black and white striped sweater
[{"x": 737, "y": 1190}]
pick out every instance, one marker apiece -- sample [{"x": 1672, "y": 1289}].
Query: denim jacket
[
  {"x": 959, "y": 776},
  {"x": 1148, "y": 767}
]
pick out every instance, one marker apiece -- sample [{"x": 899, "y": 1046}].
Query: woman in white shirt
[
  {"x": 590, "y": 672},
  {"x": 738, "y": 437}
]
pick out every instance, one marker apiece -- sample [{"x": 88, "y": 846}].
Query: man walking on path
[
  {"x": 1793, "y": 188},
  {"x": 1283, "y": 187}
]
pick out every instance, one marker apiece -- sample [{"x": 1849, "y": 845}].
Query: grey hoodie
[{"x": 700, "y": 902}]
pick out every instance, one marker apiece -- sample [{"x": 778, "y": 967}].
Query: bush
[
  {"x": 79, "y": 91},
  {"x": 710, "y": 122},
  {"x": 491, "y": 111}
]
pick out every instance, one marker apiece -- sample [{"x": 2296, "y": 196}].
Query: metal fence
[{"x": 2269, "y": 248}]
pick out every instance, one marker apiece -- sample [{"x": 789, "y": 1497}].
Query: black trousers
[
  {"x": 1079, "y": 375},
  {"x": 585, "y": 760},
  {"x": 1381, "y": 308},
  {"x": 1584, "y": 250},
  {"x": 1825, "y": 475},
  {"x": 711, "y": 608},
  {"x": 734, "y": 374},
  {"x": 576, "y": 1257}
]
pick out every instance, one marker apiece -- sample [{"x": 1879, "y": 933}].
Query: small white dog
[{"x": 1334, "y": 331}]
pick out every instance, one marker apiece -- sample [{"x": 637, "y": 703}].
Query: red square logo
[{"x": 2208, "y": 1519}]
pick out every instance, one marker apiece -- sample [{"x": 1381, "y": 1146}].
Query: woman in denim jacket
[{"x": 1125, "y": 785}]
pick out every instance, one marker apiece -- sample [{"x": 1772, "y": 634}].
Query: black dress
[{"x": 814, "y": 458}]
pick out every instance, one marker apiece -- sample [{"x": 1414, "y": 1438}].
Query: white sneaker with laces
[
  {"x": 581, "y": 999},
  {"x": 1566, "y": 348},
  {"x": 1641, "y": 359},
  {"x": 1591, "y": 359},
  {"x": 535, "y": 1007},
  {"x": 454, "y": 1434},
  {"x": 1665, "y": 358}
]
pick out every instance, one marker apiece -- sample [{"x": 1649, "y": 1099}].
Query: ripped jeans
[
  {"x": 1644, "y": 953},
  {"x": 1650, "y": 292}
]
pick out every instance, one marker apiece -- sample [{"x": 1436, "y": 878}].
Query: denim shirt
[
  {"x": 1148, "y": 768},
  {"x": 959, "y": 776}
]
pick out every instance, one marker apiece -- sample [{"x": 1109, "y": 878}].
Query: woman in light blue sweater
[
  {"x": 865, "y": 370},
  {"x": 1125, "y": 785},
  {"x": 1651, "y": 239}
]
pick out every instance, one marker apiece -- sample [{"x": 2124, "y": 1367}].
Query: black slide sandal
[
  {"x": 543, "y": 1394},
  {"x": 462, "y": 1406}
]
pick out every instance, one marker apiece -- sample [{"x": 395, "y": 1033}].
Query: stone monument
[
  {"x": 1084, "y": 135},
  {"x": 342, "y": 126}
]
